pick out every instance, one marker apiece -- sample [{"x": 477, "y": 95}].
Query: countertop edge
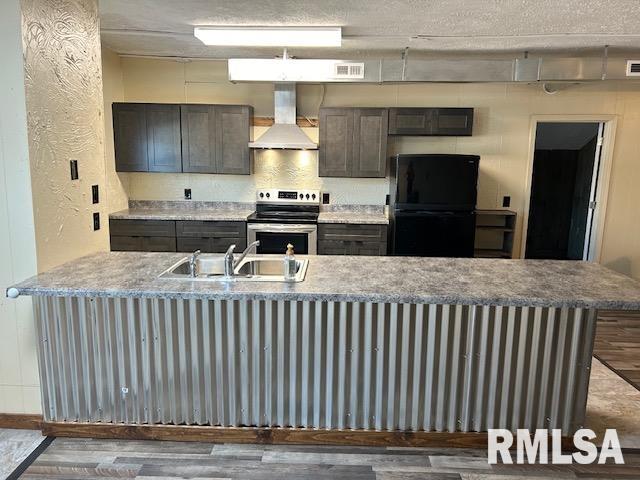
[{"x": 333, "y": 297}]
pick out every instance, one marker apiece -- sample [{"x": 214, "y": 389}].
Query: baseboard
[
  {"x": 21, "y": 421},
  {"x": 282, "y": 436},
  {"x": 294, "y": 436}
]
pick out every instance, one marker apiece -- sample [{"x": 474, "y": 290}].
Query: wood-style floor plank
[
  {"x": 617, "y": 343},
  {"x": 155, "y": 460}
]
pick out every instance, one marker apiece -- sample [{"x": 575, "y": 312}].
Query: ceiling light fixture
[{"x": 270, "y": 36}]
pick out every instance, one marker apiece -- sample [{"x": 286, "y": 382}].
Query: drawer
[
  {"x": 211, "y": 229},
  {"x": 142, "y": 228},
  {"x": 348, "y": 231},
  {"x": 333, "y": 247},
  {"x": 220, "y": 245},
  {"x": 191, "y": 244},
  {"x": 210, "y": 245},
  {"x": 159, "y": 244},
  {"x": 369, "y": 248},
  {"x": 351, "y": 247},
  {"x": 126, "y": 244}
]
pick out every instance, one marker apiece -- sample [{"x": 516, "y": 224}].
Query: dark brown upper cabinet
[
  {"x": 193, "y": 138},
  {"x": 431, "y": 121},
  {"x": 370, "y": 142},
  {"x": 335, "y": 158},
  {"x": 233, "y": 155},
  {"x": 163, "y": 138},
  {"x": 353, "y": 142},
  {"x": 198, "y": 138},
  {"x": 130, "y": 137}
]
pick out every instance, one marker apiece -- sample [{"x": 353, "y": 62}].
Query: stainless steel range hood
[{"x": 284, "y": 133}]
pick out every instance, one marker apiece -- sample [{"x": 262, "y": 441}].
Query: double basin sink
[{"x": 253, "y": 268}]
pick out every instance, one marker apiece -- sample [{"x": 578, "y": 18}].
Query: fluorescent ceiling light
[{"x": 270, "y": 36}]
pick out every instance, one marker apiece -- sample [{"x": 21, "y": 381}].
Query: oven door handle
[{"x": 264, "y": 227}]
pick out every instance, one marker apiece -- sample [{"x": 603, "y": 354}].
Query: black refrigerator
[{"x": 432, "y": 205}]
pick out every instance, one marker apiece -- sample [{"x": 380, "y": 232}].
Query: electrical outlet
[
  {"x": 96, "y": 221},
  {"x": 506, "y": 201},
  {"x": 74, "y": 169},
  {"x": 187, "y": 194},
  {"x": 325, "y": 198},
  {"x": 95, "y": 195}
]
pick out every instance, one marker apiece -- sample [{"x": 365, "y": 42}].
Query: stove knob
[
  {"x": 307, "y": 196},
  {"x": 268, "y": 195},
  {"x": 313, "y": 196},
  {"x": 261, "y": 195},
  {"x": 301, "y": 196}
]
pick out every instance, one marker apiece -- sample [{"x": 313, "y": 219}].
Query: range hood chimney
[{"x": 284, "y": 133}]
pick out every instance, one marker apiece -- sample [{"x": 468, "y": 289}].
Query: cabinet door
[
  {"x": 121, "y": 243},
  {"x": 233, "y": 155},
  {"x": 411, "y": 121},
  {"x": 163, "y": 138},
  {"x": 370, "y": 142},
  {"x": 130, "y": 137},
  {"x": 368, "y": 248},
  {"x": 334, "y": 247},
  {"x": 191, "y": 244},
  {"x": 221, "y": 244},
  {"x": 454, "y": 121},
  {"x": 142, "y": 228},
  {"x": 159, "y": 244},
  {"x": 198, "y": 138},
  {"x": 335, "y": 158}
]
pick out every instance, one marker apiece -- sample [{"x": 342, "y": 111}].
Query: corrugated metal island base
[{"x": 258, "y": 369}]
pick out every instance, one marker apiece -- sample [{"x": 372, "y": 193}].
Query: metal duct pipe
[{"x": 560, "y": 69}]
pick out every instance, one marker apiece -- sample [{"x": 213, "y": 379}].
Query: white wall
[{"x": 19, "y": 391}]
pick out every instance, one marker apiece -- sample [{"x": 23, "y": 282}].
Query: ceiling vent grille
[
  {"x": 633, "y": 68},
  {"x": 349, "y": 70}
]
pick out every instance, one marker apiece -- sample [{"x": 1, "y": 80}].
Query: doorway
[{"x": 565, "y": 181}]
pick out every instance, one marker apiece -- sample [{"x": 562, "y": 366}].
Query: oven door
[{"x": 274, "y": 237}]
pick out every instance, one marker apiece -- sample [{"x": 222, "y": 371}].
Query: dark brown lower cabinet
[
  {"x": 210, "y": 245},
  {"x": 172, "y": 236},
  {"x": 352, "y": 239},
  {"x": 210, "y": 237},
  {"x": 142, "y": 244}
]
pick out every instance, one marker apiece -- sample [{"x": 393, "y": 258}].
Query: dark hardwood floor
[
  {"x": 617, "y": 343},
  {"x": 84, "y": 458}
]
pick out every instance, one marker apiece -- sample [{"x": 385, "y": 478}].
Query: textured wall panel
[
  {"x": 63, "y": 83},
  {"x": 323, "y": 365}
]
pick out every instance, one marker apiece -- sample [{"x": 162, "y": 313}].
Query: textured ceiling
[{"x": 165, "y": 27}]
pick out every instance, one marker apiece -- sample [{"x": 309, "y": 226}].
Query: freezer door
[{"x": 434, "y": 234}]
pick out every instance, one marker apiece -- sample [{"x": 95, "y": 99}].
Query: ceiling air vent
[
  {"x": 349, "y": 70},
  {"x": 633, "y": 68}
]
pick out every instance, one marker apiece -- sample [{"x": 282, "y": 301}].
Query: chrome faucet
[
  {"x": 193, "y": 264},
  {"x": 230, "y": 264}
]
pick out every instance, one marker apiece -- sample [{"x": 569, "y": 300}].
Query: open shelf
[
  {"x": 494, "y": 233},
  {"x": 491, "y": 253}
]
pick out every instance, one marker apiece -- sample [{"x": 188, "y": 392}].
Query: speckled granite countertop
[
  {"x": 369, "y": 214},
  {"x": 201, "y": 214},
  {"x": 185, "y": 210},
  {"x": 353, "y": 217},
  {"x": 363, "y": 279}
]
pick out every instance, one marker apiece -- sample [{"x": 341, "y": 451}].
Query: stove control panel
[{"x": 288, "y": 196}]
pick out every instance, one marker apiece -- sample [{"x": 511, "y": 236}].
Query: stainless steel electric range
[{"x": 283, "y": 217}]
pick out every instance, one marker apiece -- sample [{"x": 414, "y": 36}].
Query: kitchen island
[{"x": 366, "y": 350}]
